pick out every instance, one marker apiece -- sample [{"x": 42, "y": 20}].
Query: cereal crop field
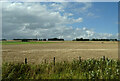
[{"x": 37, "y": 52}]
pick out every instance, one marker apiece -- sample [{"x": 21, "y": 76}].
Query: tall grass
[{"x": 85, "y": 69}]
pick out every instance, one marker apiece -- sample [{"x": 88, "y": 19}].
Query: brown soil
[{"x": 63, "y": 51}]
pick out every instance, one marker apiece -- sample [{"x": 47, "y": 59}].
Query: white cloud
[
  {"x": 68, "y": 14},
  {"x": 61, "y": 0},
  {"x": 90, "y": 14},
  {"x": 26, "y": 20},
  {"x": 81, "y": 8},
  {"x": 86, "y": 7},
  {"x": 73, "y": 7},
  {"x": 78, "y": 20}
]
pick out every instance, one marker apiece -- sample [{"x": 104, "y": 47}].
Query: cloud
[
  {"x": 86, "y": 7},
  {"x": 78, "y": 20},
  {"x": 90, "y": 14},
  {"x": 78, "y": 8},
  {"x": 59, "y": 0},
  {"x": 73, "y": 7},
  {"x": 46, "y": 0},
  {"x": 26, "y": 20},
  {"x": 68, "y": 14}
]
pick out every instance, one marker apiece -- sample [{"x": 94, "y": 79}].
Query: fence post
[
  {"x": 25, "y": 60},
  {"x": 79, "y": 59},
  {"x": 54, "y": 61},
  {"x": 45, "y": 61},
  {"x": 103, "y": 58}
]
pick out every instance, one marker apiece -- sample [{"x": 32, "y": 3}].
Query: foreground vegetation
[{"x": 77, "y": 69}]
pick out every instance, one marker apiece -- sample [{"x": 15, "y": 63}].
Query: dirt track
[{"x": 36, "y": 53}]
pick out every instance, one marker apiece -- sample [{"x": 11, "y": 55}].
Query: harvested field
[{"x": 63, "y": 51}]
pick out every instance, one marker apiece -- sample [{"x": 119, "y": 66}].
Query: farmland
[
  {"x": 67, "y": 65},
  {"x": 37, "y": 52},
  {"x": 14, "y": 42}
]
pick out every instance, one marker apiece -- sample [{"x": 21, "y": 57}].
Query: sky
[{"x": 68, "y": 20}]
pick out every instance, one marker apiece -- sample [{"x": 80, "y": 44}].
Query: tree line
[
  {"x": 81, "y": 39},
  {"x": 59, "y": 39}
]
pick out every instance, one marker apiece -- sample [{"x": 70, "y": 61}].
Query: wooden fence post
[
  {"x": 25, "y": 60},
  {"x": 45, "y": 61},
  {"x": 54, "y": 61},
  {"x": 103, "y": 58},
  {"x": 79, "y": 59},
  {"x": 54, "y": 64}
]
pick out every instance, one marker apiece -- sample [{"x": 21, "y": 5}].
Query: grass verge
[
  {"x": 85, "y": 69},
  {"x": 14, "y": 42}
]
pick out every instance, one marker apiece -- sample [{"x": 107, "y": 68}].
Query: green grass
[
  {"x": 14, "y": 42},
  {"x": 86, "y": 69}
]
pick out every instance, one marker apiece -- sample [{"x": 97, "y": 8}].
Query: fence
[{"x": 54, "y": 60}]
